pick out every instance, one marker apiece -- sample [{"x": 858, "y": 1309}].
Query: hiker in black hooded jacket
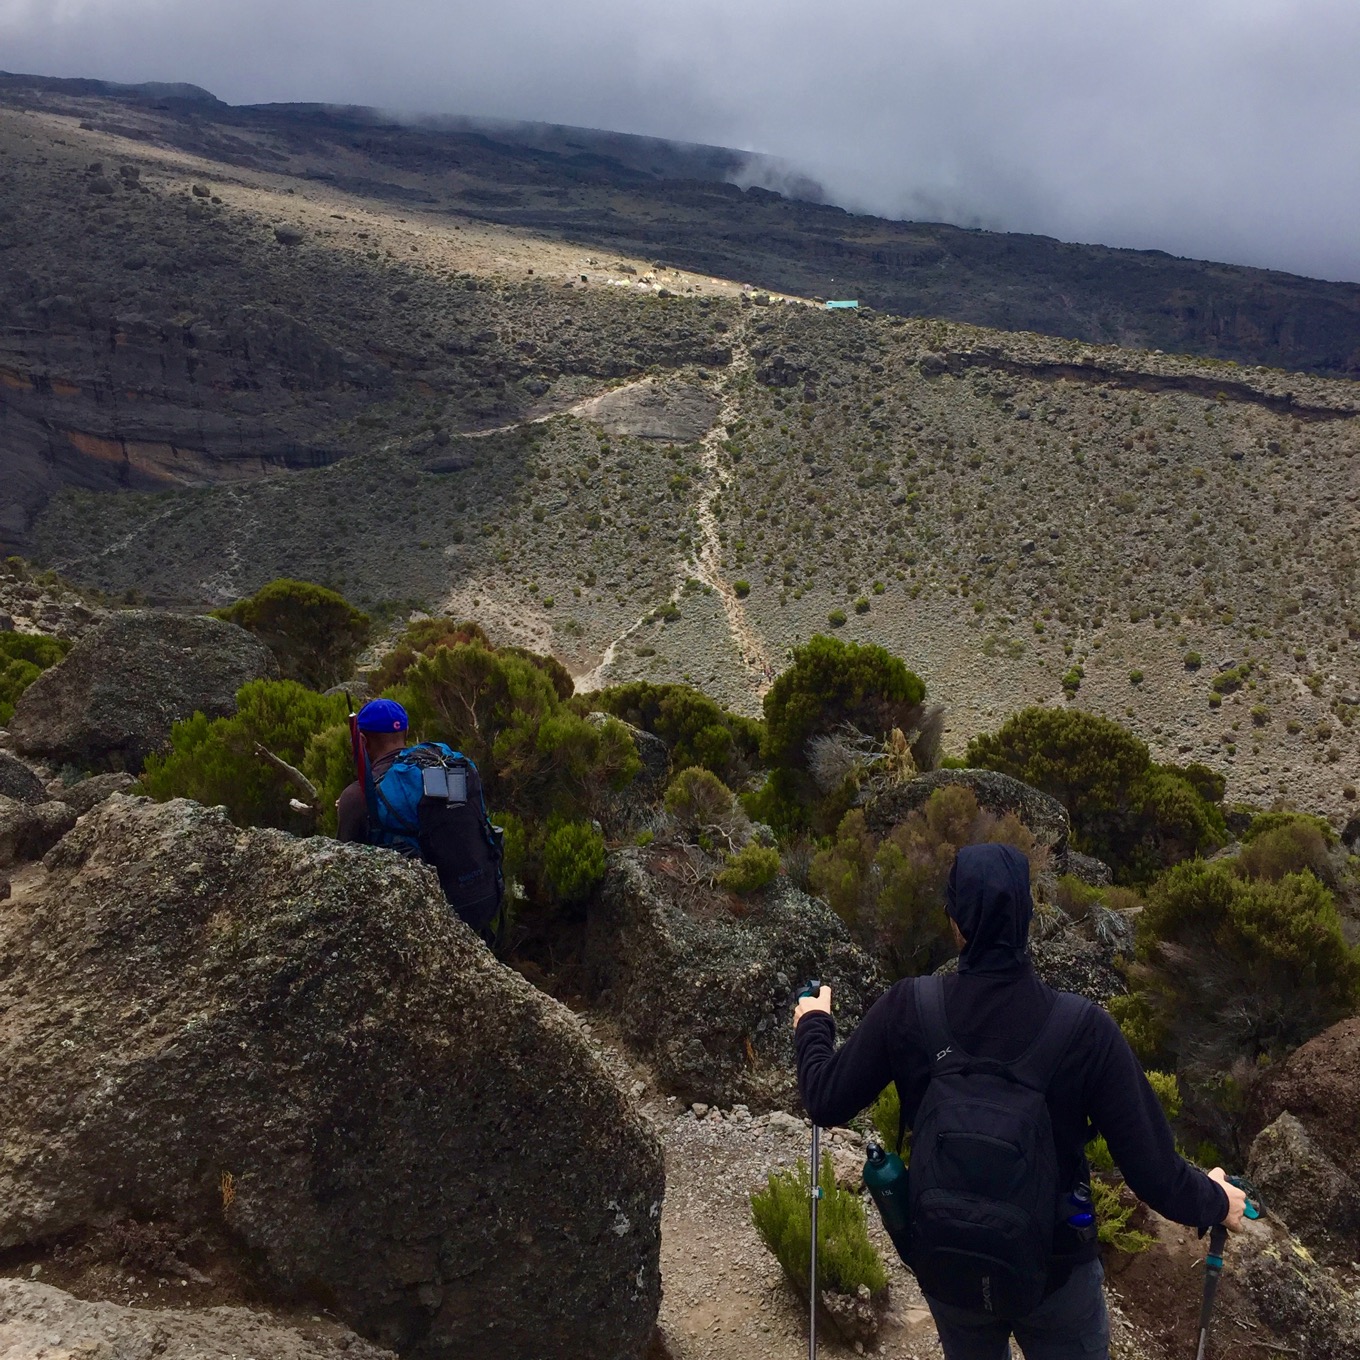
[{"x": 996, "y": 1005}]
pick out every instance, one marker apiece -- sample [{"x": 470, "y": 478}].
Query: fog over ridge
[{"x": 1223, "y": 129}]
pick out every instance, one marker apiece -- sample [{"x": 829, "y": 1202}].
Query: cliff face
[{"x": 106, "y": 401}]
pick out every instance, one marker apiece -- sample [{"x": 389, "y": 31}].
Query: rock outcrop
[
  {"x": 29, "y": 830},
  {"x": 114, "y": 698},
  {"x": 1319, "y": 1084},
  {"x": 1315, "y": 1197},
  {"x": 37, "y": 1320},
  {"x": 294, "y": 1045},
  {"x": 703, "y": 982},
  {"x": 17, "y": 781}
]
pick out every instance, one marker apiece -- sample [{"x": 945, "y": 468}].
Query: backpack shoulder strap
[
  {"x": 941, "y": 1051},
  {"x": 1036, "y": 1066}
]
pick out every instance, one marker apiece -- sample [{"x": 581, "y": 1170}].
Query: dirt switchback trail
[
  {"x": 751, "y": 646},
  {"x": 706, "y": 563}
]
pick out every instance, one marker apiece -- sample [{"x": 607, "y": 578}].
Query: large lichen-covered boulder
[
  {"x": 293, "y": 1044},
  {"x": 703, "y": 981},
  {"x": 1319, "y": 1201},
  {"x": 112, "y": 701}
]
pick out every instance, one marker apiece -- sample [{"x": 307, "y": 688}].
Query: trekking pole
[
  {"x": 812, "y": 1272},
  {"x": 1213, "y": 1269},
  {"x": 814, "y": 1179}
]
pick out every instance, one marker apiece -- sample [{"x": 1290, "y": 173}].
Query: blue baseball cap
[{"x": 382, "y": 715}]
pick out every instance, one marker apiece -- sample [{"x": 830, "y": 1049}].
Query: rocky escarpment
[
  {"x": 153, "y": 335},
  {"x": 293, "y": 1049}
]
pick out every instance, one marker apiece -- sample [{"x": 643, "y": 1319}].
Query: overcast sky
[{"x": 1226, "y": 129}]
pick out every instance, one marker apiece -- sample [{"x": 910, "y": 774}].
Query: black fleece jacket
[{"x": 996, "y": 1004}]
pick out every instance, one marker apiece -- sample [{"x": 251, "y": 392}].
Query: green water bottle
[{"x": 887, "y": 1179}]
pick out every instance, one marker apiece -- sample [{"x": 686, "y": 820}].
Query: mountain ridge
[{"x": 606, "y": 188}]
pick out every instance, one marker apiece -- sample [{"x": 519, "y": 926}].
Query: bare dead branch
[{"x": 293, "y": 775}]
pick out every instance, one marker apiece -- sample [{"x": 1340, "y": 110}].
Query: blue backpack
[{"x": 428, "y": 805}]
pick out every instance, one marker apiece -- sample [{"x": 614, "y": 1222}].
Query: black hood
[{"x": 989, "y": 899}]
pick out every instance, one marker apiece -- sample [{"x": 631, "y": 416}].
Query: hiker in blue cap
[
  {"x": 382, "y": 727},
  {"x": 425, "y": 802}
]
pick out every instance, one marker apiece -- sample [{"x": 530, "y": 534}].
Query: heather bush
[
  {"x": 1235, "y": 968},
  {"x": 751, "y": 868},
  {"x": 23, "y": 658},
  {"x": 846, "y": 1258},
  {"x": 890, "y": 891},
  {"x": 422, "y": 638},
  {"x": 1288, "y": 847},
  {"x": 697, "y": 798},
  {"x": 537, "y": 756},
  {"x": 834, "y": 686},
  {"x": 314, "y": 633},
  {"x": 695, "y": 728},
  {"x": 573, "y": 860},
  {"x": 1136, "y": 815},
  {"x": 216, "y": 761}
]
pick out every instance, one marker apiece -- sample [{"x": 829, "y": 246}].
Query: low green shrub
[
  {"x": 741, "y": 589},
  {"x": 833, "y": 685},
  {"x": 1288, "y": 847},
  {"x": 846, "y": 1258},
  {"x": 753, "y": 867},
  {"x": 1236, "y": 969},
  {"x": 418, "y": 639},
  {"x": 23, "y": 658},
  {"x": 214, "y": 760},
  {"x": 697, "y": 798},
  {"x": 836, "y": 618},
  {"x": 1113, "y": 1215},
  {"x": 573, "y": 860},
  {"x": 697, "y": 730},
  {"x": 1134, "y": 814},
  {"x": 885, "y": 1114}
]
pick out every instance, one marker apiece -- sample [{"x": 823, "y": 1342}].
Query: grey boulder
[
  {"x": 704, "y": 983},
  {"x": 17, "y": 781},
  {"x": 33, "y": 1314},
  {"x": 87, "y": 793},
  {"x": 1319, "y": 1201},
  {"x": 294, "y": 1046},
  {"x": 114, "y": 698}
]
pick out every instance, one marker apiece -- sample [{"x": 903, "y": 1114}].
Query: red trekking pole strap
[{"x": 363, "y": 770}]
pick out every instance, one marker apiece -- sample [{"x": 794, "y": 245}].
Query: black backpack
[
  {"x": 429, "y": 805},
  {"x": 983, "y": 1195}
]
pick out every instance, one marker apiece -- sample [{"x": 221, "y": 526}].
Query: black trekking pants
[{"x": 1070, "y": 1324}]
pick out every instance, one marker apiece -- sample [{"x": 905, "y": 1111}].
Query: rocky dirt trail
[{"x": 724, "y": 1297}]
